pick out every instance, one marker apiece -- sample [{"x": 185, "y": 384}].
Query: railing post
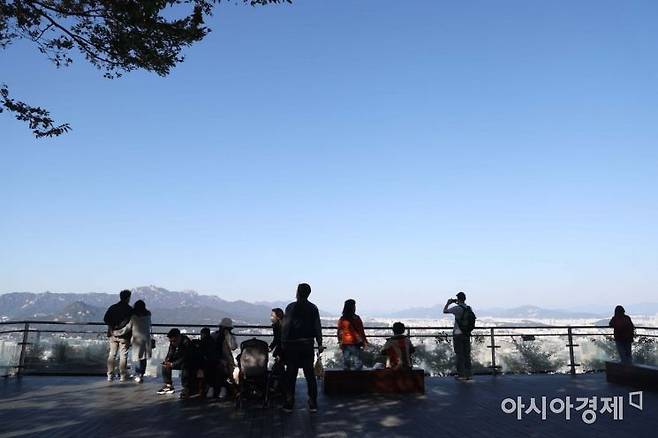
[
  {"x": 572, "y": 360},
  {"x": 493, "y": 346},
  {"x": 21, "y": 358}
]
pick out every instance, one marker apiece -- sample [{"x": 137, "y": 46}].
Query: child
[
  {"x": 351, "y": 336},
  {"x": 398, "y": 349}
]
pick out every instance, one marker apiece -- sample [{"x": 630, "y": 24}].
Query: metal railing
[{"x": 22, "y": 330}]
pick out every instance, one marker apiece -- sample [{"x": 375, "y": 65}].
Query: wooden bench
[
  {"x": 382, "y": 381},
  {"x": 639, "y": 376}
]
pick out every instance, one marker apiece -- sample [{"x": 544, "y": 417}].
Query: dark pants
[
  {"x": 299, "y": 355},
  {"x": 185, "y": 374},
  {"x": 462, "y": 346},
  {"x": 141, "y": 368},
  {"x": 624, "y": 349}
]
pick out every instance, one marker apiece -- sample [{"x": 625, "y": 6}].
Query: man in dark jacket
[
  {"x": 180, "y": 356},
  {"x": 208, "y": 358},
  {"x": 116, "y": 318},
  {"x": 301, "y": 327}
]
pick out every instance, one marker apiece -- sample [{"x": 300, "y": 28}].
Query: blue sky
[{"x": 393, "y": 152}]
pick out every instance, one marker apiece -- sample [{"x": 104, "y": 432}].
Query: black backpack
[{"x": 467, "y": 321}]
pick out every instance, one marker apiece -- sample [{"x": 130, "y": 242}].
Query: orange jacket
[{"x": 350, "y": 332}]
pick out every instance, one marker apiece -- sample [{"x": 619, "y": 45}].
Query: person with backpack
[
  {"x": 624, "y": 332},
  {"x": 461, "y": 334}
]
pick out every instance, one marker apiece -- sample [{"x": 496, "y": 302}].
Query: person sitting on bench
[
  {"x": 179, "y": 357},
  {"x": 398, "y": 349}
]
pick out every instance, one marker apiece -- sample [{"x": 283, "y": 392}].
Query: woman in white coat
[{"x": 140, "y": 327}]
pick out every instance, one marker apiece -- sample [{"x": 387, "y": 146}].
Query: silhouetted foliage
[
  {"x": 533, "y": 358},
  {"x": 605, "y": 349},
  {"x": 438, "y": 359},
  {"x": 116, "y": 36},
  {"x": 643, "y": 348}
]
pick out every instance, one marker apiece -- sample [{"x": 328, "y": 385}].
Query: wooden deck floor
[{"x": 91, "y": 407}]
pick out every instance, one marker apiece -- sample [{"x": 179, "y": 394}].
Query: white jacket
[{"x": 140, "y": 327}]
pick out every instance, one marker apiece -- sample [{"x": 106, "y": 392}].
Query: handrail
[
  {"x": 257, "y": 326},
  {"x": 245, "y": 330}
]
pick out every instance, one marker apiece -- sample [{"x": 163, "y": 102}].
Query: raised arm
[{"x": 448, "y": 303}]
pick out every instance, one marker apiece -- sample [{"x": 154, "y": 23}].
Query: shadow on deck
[{"x": 91, "y": 407}]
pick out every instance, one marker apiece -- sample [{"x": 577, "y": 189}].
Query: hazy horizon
[
  {"x": 382, "y": 151},
  {"x": 333, "y": 306}
]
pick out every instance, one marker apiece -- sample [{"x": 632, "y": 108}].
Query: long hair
[
  {"x": 619, "y": 311},
  {"x": 349, "y": 309},
  {"x": 139, "y": 308}
]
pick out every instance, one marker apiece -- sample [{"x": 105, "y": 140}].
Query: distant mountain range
[
  {"x": 530, "y": 312},
  {"x": 166, "y": 306},
  {"x": 193, "y": 308}
]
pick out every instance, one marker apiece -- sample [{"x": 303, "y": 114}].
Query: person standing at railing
[
  {"x": 461, "y": 334},
  {"x": 117, "y": 317},
  {"x": 624, "y": 332},
  {"x": 351, "y": 336},
  {"x": 301, "y": 327},
  {"x": 140, "y": 328},
  {"x": 275, "y": 346}
]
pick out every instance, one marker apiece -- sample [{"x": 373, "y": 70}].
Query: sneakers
[
  {"x": 123, "y": 378},
  {"x": 287, "y": 407},
  {"x": 223, "y": 393},
  {"x": 139, "y": 379},
  {"x": 312, "y": 406},
  {"x": 167, "y": 389},
  {"x": 110, "y": 377}
]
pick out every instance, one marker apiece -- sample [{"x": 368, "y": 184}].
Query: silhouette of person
[
  {"x": 460, "y": 338},
  {"x": 351, "y": 336},
  {"x": 301, "y": 327},
  {"x": 139, "y": 327},
  {"x": 624, "y": 332},
  {"x": 398, "y": 349},
  {"x": 117, "y": 317}
]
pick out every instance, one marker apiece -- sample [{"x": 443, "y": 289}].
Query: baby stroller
[{"x": 253, "y": 378}]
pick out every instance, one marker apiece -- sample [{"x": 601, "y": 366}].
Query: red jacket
[
  {"x": 350, "y": 332},
  {"x": 623, "y": 328},
  {"x": 398, "y": 349}
]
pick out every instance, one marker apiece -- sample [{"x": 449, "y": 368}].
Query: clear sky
[{"x": 390, "y": 151}]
